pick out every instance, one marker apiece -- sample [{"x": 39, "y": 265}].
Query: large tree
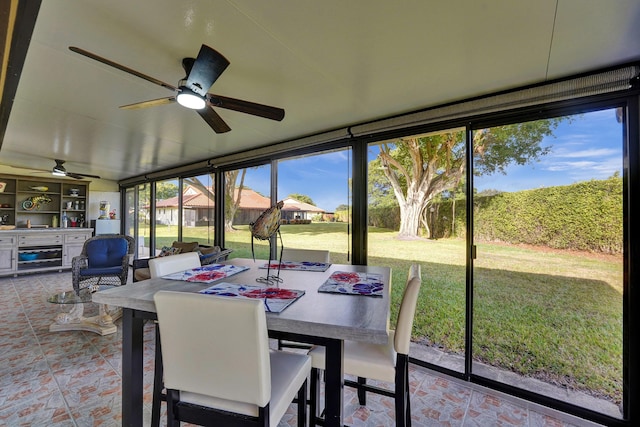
[
  {"x": 415, "y": 170},
  {"x": 166, "y": 190},
  {"x": 231, "y": 198}
]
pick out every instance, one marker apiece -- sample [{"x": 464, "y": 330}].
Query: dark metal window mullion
[{"x": 468, "y": 353}]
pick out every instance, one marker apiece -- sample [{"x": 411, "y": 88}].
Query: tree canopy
[
  {"x": 302, "y": 198},
  {"x": 166, "y": 190},
  {"x": 413, "y": 171}
]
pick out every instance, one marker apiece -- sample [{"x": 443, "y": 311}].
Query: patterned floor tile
[{"x": 72, "y": 379}]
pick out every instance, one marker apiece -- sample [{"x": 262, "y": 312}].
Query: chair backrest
[
  {"x": 407, "y": 311},
  {"x": 215, "y": 346},
  {"x": 311, "y": 255},
  {"x": 105, "y": 251},
  {"x": 161, "y": 266}
]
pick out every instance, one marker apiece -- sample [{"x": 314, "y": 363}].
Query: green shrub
[
  {"x": 583, "y": 216},
  {"x": 385, "y": 217}
]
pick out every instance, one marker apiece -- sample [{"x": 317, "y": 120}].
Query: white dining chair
[
  {"x": 310, "y": 255},
  {"x": 383, "y": 362},
  {"x": 158, "y": 267},
  {"x": 161, "y": 266},
  {"x": 219, "y": 369}
]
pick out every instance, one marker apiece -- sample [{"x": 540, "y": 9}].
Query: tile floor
[{"x": 73, "y": 378}]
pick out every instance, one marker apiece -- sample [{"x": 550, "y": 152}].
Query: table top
[{"x": 349, "y": 317}]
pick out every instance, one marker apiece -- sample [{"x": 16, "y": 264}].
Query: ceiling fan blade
[
  {"x": 121, "y": 67},
  {"x": 213, "y": 119},
  {"x": 261, "y": 110},
  {"x": 206, "y": 69},
  {"x": 150, "y": 103},
  {"x": 81, "y": 175}
]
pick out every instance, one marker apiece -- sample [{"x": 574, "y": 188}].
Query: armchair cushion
[
  {"x": 185, "y": 246},
  {"x": 141, "y": 274},
  {"x": 208, "y": 250},
  {"x": 169, "y": 250},
  {"x": 106, "y": 253},
  {"x": 100, "y": 271}
]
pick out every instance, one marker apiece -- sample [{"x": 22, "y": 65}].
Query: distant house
[
  {"x": 198, "y": 208},
  {"x": 296, "y": 210}
]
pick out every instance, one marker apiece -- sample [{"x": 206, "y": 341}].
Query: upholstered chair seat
[
  {"x": 219, "y": 369},
  {"x": 158, "y": 267}
]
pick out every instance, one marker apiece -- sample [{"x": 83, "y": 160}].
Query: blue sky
[{"x": 590, "y": 147}]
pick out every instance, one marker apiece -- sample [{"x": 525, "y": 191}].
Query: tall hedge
[
  {"x": 582, "y": 216},
  {"x": 385, "y": 217}
]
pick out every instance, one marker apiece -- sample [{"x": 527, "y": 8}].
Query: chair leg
[
  {"x": 157, "y": 382},
  {"x": 403, "y": 408},
  {"x": 172, "y": 396},
  {"x": 362, "y": 393},
  {"x": 314, "y": 396},
  {"x": 408, "y": 396},
  {"x": 302, "y": 405}
]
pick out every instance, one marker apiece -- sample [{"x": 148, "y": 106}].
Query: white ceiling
[{"x": 328, "y": 63}]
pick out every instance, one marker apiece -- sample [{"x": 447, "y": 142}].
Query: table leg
[
  {"x": 132, "y": 368},
  {"x": 334, "y": 383}
]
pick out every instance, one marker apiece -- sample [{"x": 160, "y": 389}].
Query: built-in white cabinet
[
  {"x": 34, "y": 250},
  {"x": 73, "y": 243},
  {"x": 8, "y": 253}
]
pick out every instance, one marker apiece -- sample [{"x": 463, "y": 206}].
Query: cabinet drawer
[
  {"x": 7, "y": 240},
  {"x": 40, "y": 240},
  {"x": 76, "y": 237}
]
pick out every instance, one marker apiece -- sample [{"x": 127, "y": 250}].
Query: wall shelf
[{"x": 60, "y": 192}]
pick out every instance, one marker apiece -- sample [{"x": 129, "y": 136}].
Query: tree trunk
[
  {"x": 453, "y": 216},
  {"x": 410, "y": 218},
  {"x": 231, "y": 204}
]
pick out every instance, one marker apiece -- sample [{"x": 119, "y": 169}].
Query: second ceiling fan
[{"x": 192, "y": 91}]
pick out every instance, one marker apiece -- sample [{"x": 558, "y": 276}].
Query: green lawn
[{"x": 551, "y": 315}]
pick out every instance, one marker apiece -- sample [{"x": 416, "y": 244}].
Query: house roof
[
  {"x": 291, "y": 204},
  {"x": 249, "y": 199}
]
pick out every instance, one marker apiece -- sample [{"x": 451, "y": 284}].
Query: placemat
[
  {"x": 275, "y": 299},
  {"x": 206, "y": 273},
  {"x": 298, "y": 265},
  {"x": 352, "y": 283}
]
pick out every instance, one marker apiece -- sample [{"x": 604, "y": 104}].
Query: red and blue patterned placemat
[
  {"x": 298, "y": 265},
  {"x": 352, "y": 283},
  {"x": 275, "y": 299},
  {"x": 207, "y": 273}
]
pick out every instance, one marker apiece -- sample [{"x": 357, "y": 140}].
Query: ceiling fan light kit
[
  {"x": 201, "y": 73},
  {"x": 190, "y": 99}
]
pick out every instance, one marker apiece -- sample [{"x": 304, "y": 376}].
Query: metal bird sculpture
[{"x": 264, "y": 228}]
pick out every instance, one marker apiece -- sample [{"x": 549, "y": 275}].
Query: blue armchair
[{"x": 104, "y": 260}]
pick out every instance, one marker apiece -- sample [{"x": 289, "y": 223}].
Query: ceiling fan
[
  {"x": 192, "y": 91},
  {"x": 59, "y": 170}
]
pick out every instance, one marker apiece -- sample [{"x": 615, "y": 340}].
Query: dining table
[{"x": 321, "y": 318}]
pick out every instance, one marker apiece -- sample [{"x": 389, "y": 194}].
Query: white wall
[{"x": 95, "y": 197}]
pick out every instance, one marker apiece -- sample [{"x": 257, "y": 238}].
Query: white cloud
[{"x": 594, "y": 152}]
